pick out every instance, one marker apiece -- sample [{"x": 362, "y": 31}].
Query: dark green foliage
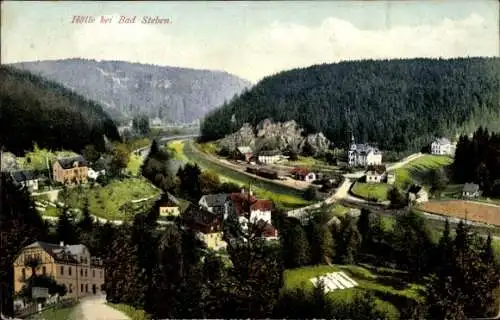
[
  {"x": 413, "y": 243},
  {"x": 397, "y": 198},
  {"x": 36, "y": 110},
  {"x": 348, "y": 240},
  {"x": 300, "y": 304},
  {"x": 478, "y": 160},
  {"x": 43, "y": 282},
  {"x": 321, "y": 243},
  {"x": 140, "y": 125},
  {"x": 90, "y": 153},
  {"x": 66, "y": 230},
  {"x": 295, "y": 246},
  {"x": 20, "y": 225},
  {"x": 311, "y": 194},
  {"x": 463, "y": 284},
  {"x": 189, "y": 177},
  {"x": 418, "y": 99},
  {"x": 155, "y": 168},
  {"x": 439, "y": 181}
]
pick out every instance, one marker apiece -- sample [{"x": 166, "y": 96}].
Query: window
[
  {"x": 81, "y": 272},
  {"x": 101, "y": 273},
  {"x": 86, "y": 288},
  {"x": 44, "y": 270},
  {"x": 23, "y": 271},
  {"x": 93, "y": 273},
  {"x": 81, "y": 288},
  {"x": 70, "y": 289},
  {"x": 69, "y": 270},
  {"x": 85, "y": 272},
  {"x": 62, "y": 271}
]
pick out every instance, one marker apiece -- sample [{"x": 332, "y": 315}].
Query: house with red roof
[
  {"x": 250, "y": 210},
  {"x": 303, "y": 174}
]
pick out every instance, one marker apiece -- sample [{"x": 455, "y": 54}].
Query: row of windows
[
  {"x": 82, "y": 271},
  {"x": 83, "y": 288}
]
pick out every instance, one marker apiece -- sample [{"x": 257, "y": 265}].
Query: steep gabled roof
[
  {"x": 442, "y": 141},
  {"x": 270, "y": 153},
  {"x": 67, "y": 163},
  {"x": 215, "y": 200},
  {"x": 24, "y": 175},
  {"x": 262, "y": 205},
  {"x": 198, "y": 218},
  {"x": 59, "y": 253}
]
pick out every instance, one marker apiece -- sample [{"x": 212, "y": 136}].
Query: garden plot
[{"x": 334, "y": 281}]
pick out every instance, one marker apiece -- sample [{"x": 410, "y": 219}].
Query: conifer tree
[{"x": 66, "y": 231}]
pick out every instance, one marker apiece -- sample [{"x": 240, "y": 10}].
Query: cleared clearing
[{"x": 464, "y": 209}]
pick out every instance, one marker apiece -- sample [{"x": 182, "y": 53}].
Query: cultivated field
[{"x": 460, "y": 209}]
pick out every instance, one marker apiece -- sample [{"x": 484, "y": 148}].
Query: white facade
[
  {"x": 374, "y": 177},
  {"x": 442, "y": 146},
  {"x": 30, "y": 184},
  {"x": 269, "y": 159},
  {"x": 363, "y": 155},
  {"x": 256, "y": 215},
  {"x": 92, "y": 174},
  {"x": 169, "y": 211},
  {"x": 311, "y": 176},
  {"x": 419, "y": 197}
]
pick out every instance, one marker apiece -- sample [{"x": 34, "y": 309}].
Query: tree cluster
[
  {"x": 34, "y": 110},
  {"x": 401, "y": 105},
  {"x": 477, "y": 160}
]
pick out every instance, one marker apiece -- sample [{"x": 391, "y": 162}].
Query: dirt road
[{"x": 95, "y": 308}]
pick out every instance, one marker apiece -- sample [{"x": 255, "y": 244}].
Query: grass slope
[
  {"x": 418, "y": 170},
  {"x": 107, "y": 201},
  {"x": 388, "y": 285},
  {"x": 131, "y": 312},
  {"x": 371, "y": 191}
]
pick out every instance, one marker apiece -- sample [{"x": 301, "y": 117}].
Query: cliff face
[
  {"x": 128, "y": 89},
  {"x": 268, "y": 135}
]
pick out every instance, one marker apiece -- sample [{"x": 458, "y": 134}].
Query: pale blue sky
[{"x": 252, "y": 39}]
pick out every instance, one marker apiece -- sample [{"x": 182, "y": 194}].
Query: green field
[
  {"x": 65, "y": 313},
  {"x": 176, "y": 147},
  {"x": 107, "y": 201},
  {"x": 418, "y": 171},
  {"x": 389, "y": 286},
  {"x": 371, "y": 191},
  {"x": 287, "y": 198},
  {"x": 134, "y": 164},
  {"x": 131, "y": 312}
]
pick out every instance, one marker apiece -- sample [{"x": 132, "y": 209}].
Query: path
[{"x": 95, "y": 308}]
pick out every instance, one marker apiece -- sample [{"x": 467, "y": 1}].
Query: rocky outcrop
[
  {"x": 8, "y": 162},
  {"x": 283, "y": 136}
]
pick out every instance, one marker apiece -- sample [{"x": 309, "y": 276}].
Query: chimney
[{"x": 61, "y": 243}]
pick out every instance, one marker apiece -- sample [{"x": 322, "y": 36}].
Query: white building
[
  {"x": 271, "y": 156},
  {"x": 374, "y": 176},
  {"x": 442, "y": 146},
  {"x": 361, "y": 155},
  {"x": 94, "y": 174},
  {"x": 27, "y": 179},
  {"x": 417, "y": 194}
]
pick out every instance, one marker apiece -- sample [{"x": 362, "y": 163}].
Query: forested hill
[
  {"x": 35, "y": 110},
  {"x": 398, "y": 104},
  {"x": 127, "y": 89}
]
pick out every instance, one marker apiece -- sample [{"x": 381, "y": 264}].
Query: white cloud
[{"x": 282, "y": 46}]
